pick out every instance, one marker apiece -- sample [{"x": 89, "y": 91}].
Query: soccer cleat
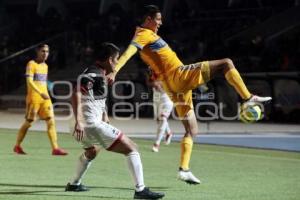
[
  {"x": 258, "y": 99},
  {"x": 168, "y": 138},
  {"x": 59, "y": 152},
  {"x": 18, "y": 150},
  {"x": 76, "y": 188},
  {"x": 188, "y": 177},
  {"x": 155, "y": 148},
  {"x": 146, "y": 193}
]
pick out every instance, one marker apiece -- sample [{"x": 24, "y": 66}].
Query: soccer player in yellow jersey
[
  {"x": 179, "y": 79},
  {"x": 38, "y": 102}
]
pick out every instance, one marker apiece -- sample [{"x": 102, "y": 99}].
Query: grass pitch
[{"x": 227, "y": 173}]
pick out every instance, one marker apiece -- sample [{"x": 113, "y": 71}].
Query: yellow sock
[
  {"x": 52, "y": 133},
  {"x": 233, "y": 78},
  {"x": 22, "y": 132},
  {"x": 186, "y": 152}
]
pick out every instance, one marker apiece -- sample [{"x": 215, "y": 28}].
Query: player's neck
[
  {"x": 100, "y": 65},
  {"x": 39, "y": 61},
  {"x": 144, "y": 25}
]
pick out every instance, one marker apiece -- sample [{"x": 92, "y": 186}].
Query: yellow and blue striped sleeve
[{"x": 141, "y": 39}]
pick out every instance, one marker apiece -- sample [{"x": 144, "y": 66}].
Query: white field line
[{"x": 283, "y": 135}]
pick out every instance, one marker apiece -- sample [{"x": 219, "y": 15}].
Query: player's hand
[
  {"x": 158, "y": 86},
  {"x": 78, "y": 131},
  {"x": 111, "y": 78},
  {"x": 45, "y": 96}
]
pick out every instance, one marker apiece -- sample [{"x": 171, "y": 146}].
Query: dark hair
[
  {"x": 149, "y": 11},
  {"x": 41, "y": 46},
  {"x": 106, "y": 50}
]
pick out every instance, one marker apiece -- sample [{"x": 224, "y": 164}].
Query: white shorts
[
  {"x": 96, "y": 131},
  {"x": 101, "y": 133},
  {"x": 163, "y": 105}
]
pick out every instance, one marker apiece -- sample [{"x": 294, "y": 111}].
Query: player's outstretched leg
[
  {"x": 258, "y": 99},
  {"x": 126, "y": 147},
  {"x": 234, "y": 78}
]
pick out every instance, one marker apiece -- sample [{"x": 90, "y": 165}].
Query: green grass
[{"x": 227, "y": 173}]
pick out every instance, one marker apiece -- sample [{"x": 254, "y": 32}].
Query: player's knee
[
  {"x": 194, "y": 132},
  {"x": 50, "y": 122},
  {"x": 162, "y": 118},
  {"x": 228, "y": 64},
  {"x": 29, "y": 122},
  {"x": 133, "y": 153},
  {"x": 91, "y": 153},
  {"x": 134, "y": 146}
]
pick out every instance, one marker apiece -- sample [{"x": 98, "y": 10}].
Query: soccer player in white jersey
[
  {"x": 89, "y": 107},
  {"x": 162, "y": 106}
]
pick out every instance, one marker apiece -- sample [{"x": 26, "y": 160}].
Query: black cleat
[
  {"x": 76, "y": 188},
  {"x": 148, "y": 194}
]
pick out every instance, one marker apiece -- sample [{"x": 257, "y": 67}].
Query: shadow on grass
[
  {"x": 56, "y": 186},
  {"x": 40, "y": 192},
  {"x": 63, "y": 186}
]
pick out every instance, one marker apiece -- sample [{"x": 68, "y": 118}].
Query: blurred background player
[
  {"x": 91, "y": 129},
  {"x": 162, "y": 106},
  {"x": 179, "y": 79},
  {"x": 38, "y": 102}
]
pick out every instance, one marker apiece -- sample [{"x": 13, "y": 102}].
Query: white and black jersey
[
  {"x": 93, "y": 88},
  {"x": 93, "y": 84}
]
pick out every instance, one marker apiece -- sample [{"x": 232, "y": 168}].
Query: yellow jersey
[
  {"x": 37, "y": 73},
  {"x": 155, "y": 52}
]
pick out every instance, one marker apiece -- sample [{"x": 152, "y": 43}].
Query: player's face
[
  {"x": 113, "y": 61},
  {"x": 43, "y": 53},
  {"x": 155, "y": 22}
]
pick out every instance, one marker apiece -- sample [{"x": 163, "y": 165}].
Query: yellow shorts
[
  {"x": 182, "y": 81},
  {"x": 43, "y": 109}
]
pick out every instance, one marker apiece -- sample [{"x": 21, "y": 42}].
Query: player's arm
[
  {"x": 76, "y": 105},
  {"x": 129, "y": 52},
  {"x": 140, "y": 39},
  {"x": 105, "y": 117}
]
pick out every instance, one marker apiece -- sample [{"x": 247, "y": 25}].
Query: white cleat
[
  {"x": 168, "y": 138},
  {"x": 258, "y": 99},
  {"x": 188, "y": 177},
  {"x": 155, "y": 148}
]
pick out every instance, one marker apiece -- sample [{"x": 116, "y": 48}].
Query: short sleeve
[{"x": 86, "y": 82}]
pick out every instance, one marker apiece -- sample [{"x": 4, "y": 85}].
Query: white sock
[
  {"x": 163, "y": 123},
  {"x": 136, "y": 169},
  {"x": 82, "y": 166}
]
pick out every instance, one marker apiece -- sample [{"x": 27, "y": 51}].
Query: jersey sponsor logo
[
  {"x": 40, "y": 77},
  {"x": 158, "y": 44}
]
